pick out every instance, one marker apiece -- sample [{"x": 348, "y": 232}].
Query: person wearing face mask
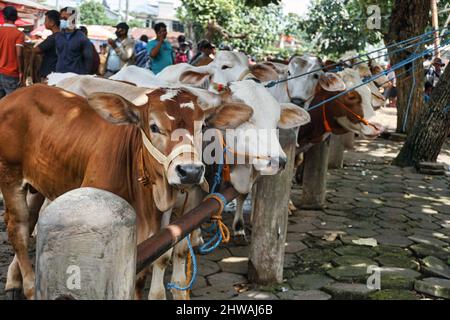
[
  {"x": 73, "y": 48},
  {"x": 121, "y": 52}
]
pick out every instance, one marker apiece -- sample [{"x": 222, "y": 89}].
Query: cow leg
[
  {"x": 140, "y": 283},
  {"x": 238, "y": 222},
  {"x": 13, "y": 287},
  {"x": 180, "y": 253},
  {"x": 14, "y": 278},
  {"x": 35, "y": 202},
  {"x": 157, "y": 289},
  {"x": 18, "y": 227}
]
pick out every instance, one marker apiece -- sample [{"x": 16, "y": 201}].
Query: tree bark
[
  {"x": 425, "y": 141},
  {"x": 409, "y": 18}
]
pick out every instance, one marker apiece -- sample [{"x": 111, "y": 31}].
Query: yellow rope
[{"x": 218, "y": 218}]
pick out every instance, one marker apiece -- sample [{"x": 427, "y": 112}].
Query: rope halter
[{"x": 163, "y": 159}]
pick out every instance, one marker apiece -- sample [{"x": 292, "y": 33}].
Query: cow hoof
[
  {"x": 291, "y": 208},
  {"x": 14, "y": 294}
]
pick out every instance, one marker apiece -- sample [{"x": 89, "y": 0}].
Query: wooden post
[
  {"x": 269, "y": 219},
  {"x": 435, "y": 24},
  {"x": 86, "y": 247},
  {"x": 336, "y": 157},
  {"x": 315, "y": 176},
  {"x": 348, "y": 140}
]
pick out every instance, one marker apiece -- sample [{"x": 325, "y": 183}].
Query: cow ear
[
  {"x": 293, "y": 116},
  {"x": 230, "y": 116},
  {"x": 195, "y": 78},
  {"x": 113, "y": 108},
  {"x": 331, "y": 82}
]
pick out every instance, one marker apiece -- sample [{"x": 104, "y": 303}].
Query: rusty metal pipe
[{"x": 152, "y": 248}]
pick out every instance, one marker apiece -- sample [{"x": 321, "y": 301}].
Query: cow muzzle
[
  {"x": 299, "y": 102},
  {"x": 190, "y": 174},
  {"x": 180, "y": 166}
]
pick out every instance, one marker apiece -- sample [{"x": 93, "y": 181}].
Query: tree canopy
[
  {"x": 92, "y": 12},
  {"x": 252, "y": 26}
]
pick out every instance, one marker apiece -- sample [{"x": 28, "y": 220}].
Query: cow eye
[
  {"x": 154, "y": 128},
  {"x": 225, "y": 67},
  {"x": 316, "y": 76}
]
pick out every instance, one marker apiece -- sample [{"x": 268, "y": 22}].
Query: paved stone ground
[{"x": 376, "y": 215}]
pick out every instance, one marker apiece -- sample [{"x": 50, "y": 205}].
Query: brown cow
[
  {"x": 338, "y": 116},
  {"x": 57, "y": 141},
  {"x": 32, "y": 64}
]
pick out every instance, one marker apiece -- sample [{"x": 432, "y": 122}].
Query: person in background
[
  {"x": 11, "y": 58},
  {"x": 73, "y": 48},
  {"x": 182, "y": 55},
  {"x": 95, "y": 56},
  {"x": 205, "y": 55},
  {"x": 121, "y": 52},
  {"x": 183, "y": 43},
  {"x": 103, "y": 56},
  {"x": 199, "y": 52},
  {"x": 428, "y": 91},
  {"x": 160, "y": 50},
  {"x": 141, "y": 52},
  {"x": 48, "y": 47},
  {"x": 391, "y": 89},
  {"x": 435, "y": 71}
]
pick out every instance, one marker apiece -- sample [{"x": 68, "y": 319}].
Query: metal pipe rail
[{"x": 152, "y": 248}]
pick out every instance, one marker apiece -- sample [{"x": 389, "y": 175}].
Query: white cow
[
  {"x": 297, "y": 90},
  {"x": 227, "y": 67}
]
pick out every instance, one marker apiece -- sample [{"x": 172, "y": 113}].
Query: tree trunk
[
  {"x": 409, "y": 18},
  {"x": 425, "y": 141}
]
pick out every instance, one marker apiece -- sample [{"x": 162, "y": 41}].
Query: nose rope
[
  {"x": 163, "y": 159},
  {"x": 357, "y": 116},
  {"x": 222, "y": 87},
  {"x": 237, "y": 153}
]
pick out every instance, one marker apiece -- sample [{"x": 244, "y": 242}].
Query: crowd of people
[
  {"x": 433, "y": 70},
  {"x": 68, "y": 49}
]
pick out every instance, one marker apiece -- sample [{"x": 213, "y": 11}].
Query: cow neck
[
  {"x": 287, "y": 91},
  {"x": 314, "y": 131}
]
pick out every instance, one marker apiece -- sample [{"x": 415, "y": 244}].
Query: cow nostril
[
  {"x": 181, "y": 172},
  {"x": 190, "y": 174}
]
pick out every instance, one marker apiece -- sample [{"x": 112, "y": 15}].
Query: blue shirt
[
  {"x": 164, "y": 57},
  {"x": 74, "y": 52}
]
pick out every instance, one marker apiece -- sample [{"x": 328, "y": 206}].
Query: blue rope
[
  {"x": 216, "y": 239},
  {"x": 339, "y": 68},
  {"x": 413, "y": 57},
  {"x": 413, "y": 70},
  {"x": 194, "y": 271}
]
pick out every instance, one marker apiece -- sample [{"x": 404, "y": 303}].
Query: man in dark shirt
[
  {"x": 48, "y": 47},
  {"x": 95, "y": 55},
  {"x": 74, "y": 50}
]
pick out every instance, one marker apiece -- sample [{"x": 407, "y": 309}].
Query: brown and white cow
[
  {"x": 56, "y": 141},
  {"x": 339, "y": 116}
]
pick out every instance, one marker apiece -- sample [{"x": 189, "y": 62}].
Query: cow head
[
  {"x": 301, "y": 89},
  {"x": 170, "y": 122},
  {"x": 227, "y": 67},
  {"x": 338, "y": 116},
  {"x": 256, "y": 141}
]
